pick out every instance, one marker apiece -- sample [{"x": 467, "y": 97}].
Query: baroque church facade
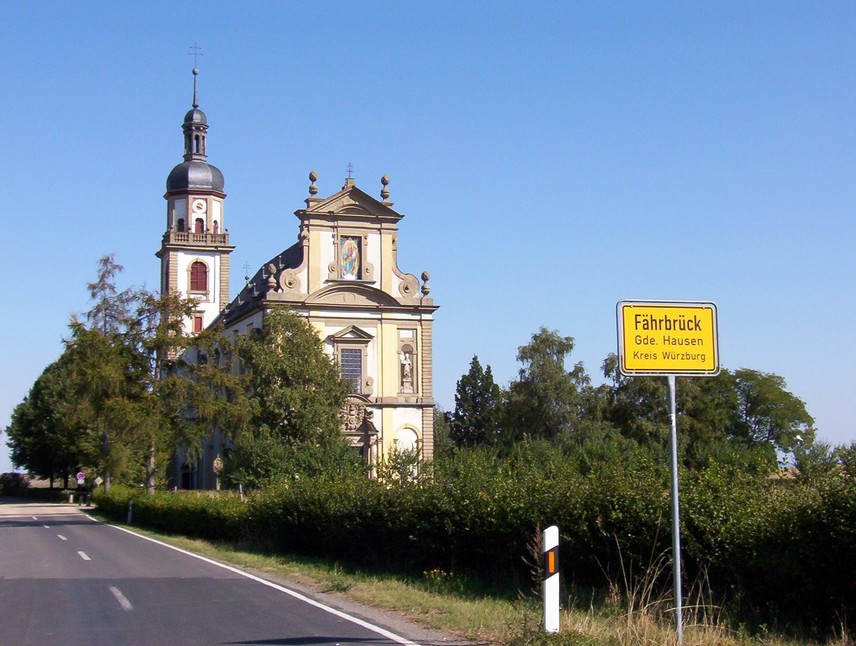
[{"x": 342, "y": 274}]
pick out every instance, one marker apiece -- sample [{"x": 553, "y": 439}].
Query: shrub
[{"x": 12, "y": 484}]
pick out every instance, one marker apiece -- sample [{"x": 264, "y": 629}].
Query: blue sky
[{"x": 551, "y": 158}]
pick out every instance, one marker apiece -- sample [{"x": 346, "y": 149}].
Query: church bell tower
[{"x": 195, "y": 248}]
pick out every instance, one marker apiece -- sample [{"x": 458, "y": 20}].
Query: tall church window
[
  {"x": 180, "y": 225},
  {"x": 198, "y": 277},
  {"x": 351, "y": 367},
  {"x": 199, "y": 226}
]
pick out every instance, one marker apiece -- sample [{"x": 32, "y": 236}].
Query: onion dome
[{"x": 195, "y": 173}]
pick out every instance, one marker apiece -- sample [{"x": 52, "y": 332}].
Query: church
[{"x": 342, "y": 274}]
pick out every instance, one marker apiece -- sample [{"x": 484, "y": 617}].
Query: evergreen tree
[{"x": 479, "y": 412}]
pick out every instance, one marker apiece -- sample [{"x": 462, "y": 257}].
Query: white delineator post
[{"x": 550, "y": 541}]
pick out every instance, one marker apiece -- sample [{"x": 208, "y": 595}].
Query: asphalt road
[{"x": 67, "y": 579}]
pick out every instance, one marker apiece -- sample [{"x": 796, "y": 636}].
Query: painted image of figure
[{"x": 350, "y": 265}]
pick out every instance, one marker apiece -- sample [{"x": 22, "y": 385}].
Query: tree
[
  {"x": 443, "y": 443},
  {"x": 189, "y": 387},
  {"x": 737, "y": 417},
  {"x": 105, "y": 372},
  {"x": 297, "y": 395},
  {"x": 637, "y": 406},
  {"x": 105, "y": 385},
  {"x": 545, "y": 401},
  {"x": 769, "y": 413},
  {"x": 124, "y": 377},
  {"x": 132, "y": 380},
  {"x": 297, "y": 391},
  {"x": 479, "y": 413},
  {"x": 44, "y": 436}
]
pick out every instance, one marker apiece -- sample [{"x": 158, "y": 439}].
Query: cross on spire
[
  {"x": 195, "y": 53},
  {"x": 350, "y": 170}
]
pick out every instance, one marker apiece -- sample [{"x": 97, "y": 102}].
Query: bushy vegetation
[
  {"x": 13, "y": 484},
  {"x": 775, "y": 551}
]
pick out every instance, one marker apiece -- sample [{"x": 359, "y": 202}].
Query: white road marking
[
  {"x": 84, "y": 556},
  {"x": 35, "y": 517},
  {"x": 61, "y": 537},
  {"x": 46, "y": 526},
  {"x": 337, "y": 613},
  {"x": 121, "y": 598}
]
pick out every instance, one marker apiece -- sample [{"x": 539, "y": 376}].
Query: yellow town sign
[{"x": 668, "y": 338}]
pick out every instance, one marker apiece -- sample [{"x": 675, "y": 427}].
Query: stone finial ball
[
  {"x": 426, "y": 276},
  {"x": 384, "y": 180},
  {"x": 195, "y": 71},
  {"x": 313, "y": 176}
]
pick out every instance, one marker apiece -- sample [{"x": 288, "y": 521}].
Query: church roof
[
  {"x": 195, "y": 174},
  {"x": 195, "y": 115},
  {"x": 251, "y": 295}
]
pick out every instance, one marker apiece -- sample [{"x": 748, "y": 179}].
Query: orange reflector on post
[{"x": 551, "y": 562}]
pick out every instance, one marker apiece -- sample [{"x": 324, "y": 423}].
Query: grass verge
[{"x": 444, "y": 601}]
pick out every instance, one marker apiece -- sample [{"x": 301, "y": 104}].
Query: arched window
[
  {"x": 180, "y": 225},
  {"x": 198, "y": 277},
  {"x": 216, "y": 227},
  {"x": 199, "y": 226}
]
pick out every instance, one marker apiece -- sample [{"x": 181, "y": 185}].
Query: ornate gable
[{"x": 350, "y": 201}]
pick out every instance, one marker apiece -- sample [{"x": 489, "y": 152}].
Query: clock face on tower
[{"x": 199, "y": 206}]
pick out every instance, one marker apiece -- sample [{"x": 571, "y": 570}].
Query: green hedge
[
  {"x": 199, "y": 514},
  {"x": 776, "y": 550}
]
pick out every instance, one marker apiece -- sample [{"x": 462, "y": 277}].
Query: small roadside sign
[
  {"x": 80, "y": 477},
  {"x": 668, "y": 338}
]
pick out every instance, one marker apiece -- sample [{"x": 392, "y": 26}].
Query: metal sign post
[
  {"x": 676, "y": 514},
  {"x": 669, "y": 338}
]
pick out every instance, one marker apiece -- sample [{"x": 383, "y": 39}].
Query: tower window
[
  {"x": 199, "y": 226},
  {"x": 198, "y": 277},
  {"x": 180, "y": 225}
]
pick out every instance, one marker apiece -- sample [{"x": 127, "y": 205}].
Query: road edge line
[{"x": 312, "y": 602}]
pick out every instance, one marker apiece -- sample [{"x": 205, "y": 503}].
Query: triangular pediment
[
  {"x": 351, "y": 333},
  {"x": 352, "y": 201}
]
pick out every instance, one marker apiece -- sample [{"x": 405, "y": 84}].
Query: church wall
[
  {"x": 320, "y": 255},
  {"x": 387, "y": 261},
  {"x": 374, "y": 253}
]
